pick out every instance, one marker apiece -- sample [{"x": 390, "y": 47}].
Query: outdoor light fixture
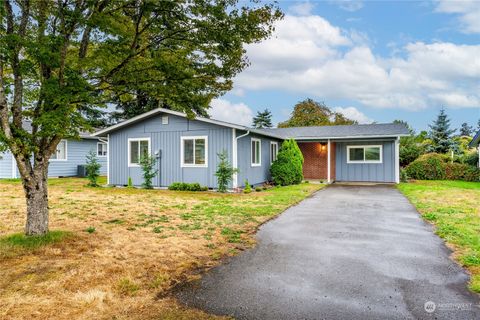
[{"x": 323, "y": 147}]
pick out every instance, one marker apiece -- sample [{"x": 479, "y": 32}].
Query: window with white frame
[
  {"x": 137, "y": 148},
  {"x": 60, "y": 153},
  {"x": 194, "y": 151},
  {"x": 102, "y": 149},
  {"x": 273, "y": 151},
  {"x": 164, "y": 119},
  {"x": 364, "y": 154},
  {"x": 256, "y": 147}
]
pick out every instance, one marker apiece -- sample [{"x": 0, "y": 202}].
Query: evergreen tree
[
  {"x": 440, "y": 134},
  {"x": 466, "y": 130},
  {"x": 263, "y": 119}
]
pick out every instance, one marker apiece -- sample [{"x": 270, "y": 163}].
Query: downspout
[
  {"x": 235, "y": 156},
  {"x": 108, "y": 156}
]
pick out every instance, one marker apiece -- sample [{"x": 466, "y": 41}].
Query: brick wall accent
[{"x": 315, "y": 160}]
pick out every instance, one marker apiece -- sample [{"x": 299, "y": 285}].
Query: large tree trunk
[{"x": 36, "y": 193}]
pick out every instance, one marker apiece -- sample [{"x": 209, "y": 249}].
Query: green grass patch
[
  {"x": 33, "y": 242},
  {"x": 454, "y": 208}
]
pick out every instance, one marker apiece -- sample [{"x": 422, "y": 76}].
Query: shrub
[
  {"x": 224, "y": 172},
  {"x": 434, "y": 166},
  {"x": 288, "y": 168},
  {"x": 248, "y": 187},
  {"x": 429, "y": 166},
  {"x": 182, "y": 186},
  {"x": 403, "y": 175},
  {"x": 459, "y": 171},
  {"x": 470, "y": 158},
  {"x": 93, "y": 169},
  {"x": 147, "y": 164},
  {"x": 130, "y": 183},
  {"x": 258, "y": 189}
]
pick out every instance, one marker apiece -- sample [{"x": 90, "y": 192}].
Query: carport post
[{"x": 328, "y": 161}]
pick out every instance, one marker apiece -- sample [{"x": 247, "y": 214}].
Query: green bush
[
  {"x": 183, "y": 186},
  {"x": 147, "y": 164},
  {"x": 93, "y": 169},
  {"x": 434, "y": 166},
  {"x": 248, "y": 187},
  {"x": 224, "y": 172},
  {"x": 403, "y": 175},
  {"x": 130, "y": 182},
  {"x": 258, "y": 189},
  {"x": 470, "y": 158},
  {"x": 288, "y": 168},
  {"x": 430, "y": 166},
  {"x": 459, "y": 171}
]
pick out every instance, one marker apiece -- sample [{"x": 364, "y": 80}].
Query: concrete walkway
[{"x": 349, "y": 252}]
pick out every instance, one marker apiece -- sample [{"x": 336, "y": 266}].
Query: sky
[{"x": 374, "y": 61}]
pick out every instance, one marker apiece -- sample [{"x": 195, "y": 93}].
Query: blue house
[
  {"x": 186, "y": 150},
  {"x": 65, "y": 161}
]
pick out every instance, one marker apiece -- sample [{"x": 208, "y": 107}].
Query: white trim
[
  {"x": 328, "y": 162},
  {"x": 259, "y": 164},
  {"x": 102, "y": 142},
  {"x": 276, "y": 150},
  {"x": 108, "y": 159},
  {"x": 365, "y": 161},
  {"x": 234, "y": 158},
  {"x": 182, "y": 152},
  {"x": 133, "y": 165},
  {"x": 397, "y": 160},
  {"x": 66, "y": 152}
]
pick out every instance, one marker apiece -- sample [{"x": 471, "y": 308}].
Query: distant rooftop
[{"x": 342, "y": 131}]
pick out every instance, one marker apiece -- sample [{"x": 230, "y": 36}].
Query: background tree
[
  {"x": 440, "y": 134},
  {"x": 61, "y": 60},
  {"x": 312, "y": 113},
  {"x": 263, "y": 119},
  {"x": 466, "y": 130},
  {"x": 411, "y": 146}
]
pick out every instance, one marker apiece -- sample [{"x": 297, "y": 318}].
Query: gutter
[{"x": 235, "y": 156}]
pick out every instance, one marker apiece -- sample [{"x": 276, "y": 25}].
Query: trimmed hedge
[
  {"x": 288, "y": 168},
  {"x": 433, "y": 166},
  {"x": 182, "y": 186}
]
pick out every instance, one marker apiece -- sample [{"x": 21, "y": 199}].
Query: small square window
[
  {"x": 61, "y": 151},
  {"x": 139, "y": 148},
  {"x": 102, "y": 149},
  {"x": 164, "y": 119}
]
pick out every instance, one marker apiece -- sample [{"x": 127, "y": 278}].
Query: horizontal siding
[
  {"x": 77, "y": 151},
  {"x": 367, "y": 172},
  {"x": 254, "y": 175},
  {"x": 5, "y": 165},
  {"x": 166, "y": 138}
]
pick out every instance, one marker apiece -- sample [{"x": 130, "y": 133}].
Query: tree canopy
[
  {"x": 61, "y": 61},
  {"x": 466, "y": 129},
  {"x": 312, "y": 113},
  {"x": 263, "y": 119},
  {"x": 440, "y": 134}
]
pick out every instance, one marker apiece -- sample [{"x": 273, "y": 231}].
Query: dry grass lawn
[{"x": 123, "y": 249}]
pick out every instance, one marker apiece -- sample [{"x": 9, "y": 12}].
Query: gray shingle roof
[
  {"x": 344, "y": 131},
  {"x": 475, "y": 141}
]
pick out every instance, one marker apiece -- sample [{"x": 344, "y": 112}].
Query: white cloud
[
  {"x": 353, "y": 114},
  {"x": 238, "y": 113},
  {"x": 349, "y": 5},
  {"x": 308, "y": 55},
  {"x": 468, "y": 12},
  {"x": 302, "y": 9}
]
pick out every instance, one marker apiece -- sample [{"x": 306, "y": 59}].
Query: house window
[
  {"x": 194, "y": 151},
  {"x": 364, "y": 154},
  {"x": 60, "y": 153},
  {"x": 101, "y": 149},
  {"x": 137, "y": 148},
  {"x": 165, "y": 120},
  {"x": 256, "y": 152},
  {"x": 273, "y": 151}
]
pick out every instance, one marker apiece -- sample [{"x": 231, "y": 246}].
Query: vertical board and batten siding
[
  {"x": 77, "y": 151},
  {"x": 5, "y": 165},
  {"x": 254, "y": 175},
  {"x": 365, "y": 172},
  {"x": 166, "y": 138}
]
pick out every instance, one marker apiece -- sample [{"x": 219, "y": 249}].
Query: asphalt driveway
[{"x": 348, "y": 252}]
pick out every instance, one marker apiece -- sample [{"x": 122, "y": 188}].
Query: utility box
[{"x": 82, "y": 171}]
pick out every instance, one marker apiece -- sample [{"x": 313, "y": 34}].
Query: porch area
[{"x": 319, "y": 160}]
